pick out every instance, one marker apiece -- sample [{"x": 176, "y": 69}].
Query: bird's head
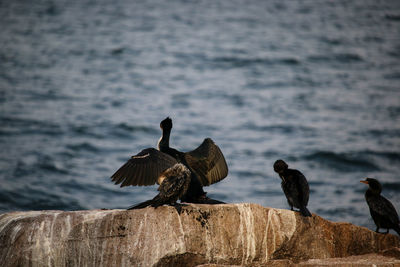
[
  {"x": 373, "y": 184},
  {"x": 280, "y": 166},
  {"x": 166, "y": 124}
]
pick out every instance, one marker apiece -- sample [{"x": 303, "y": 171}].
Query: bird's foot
[
  {"x": 206, "y": 200},
  {"x": 178, "y": 207}
]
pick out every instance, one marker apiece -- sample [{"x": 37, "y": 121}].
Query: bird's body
[
  {"x": 382, "y": 210},
  {"x": 174, "y": 184},
  {"x": 206, "y": 165},
  {"x": 295, "y": 186}
]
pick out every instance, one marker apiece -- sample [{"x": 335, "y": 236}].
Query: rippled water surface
[{"x": 85, "y": 84}]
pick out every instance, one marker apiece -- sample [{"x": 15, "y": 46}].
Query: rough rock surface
[{"x": 217, "y": 235}]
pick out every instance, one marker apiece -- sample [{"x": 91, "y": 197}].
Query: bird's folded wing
[
  {"x": 143, "y": 168},
  {"x": 207, "y": 162},
  {"x": 385, "y": 208},
  {"x": 302, "y": 187}
]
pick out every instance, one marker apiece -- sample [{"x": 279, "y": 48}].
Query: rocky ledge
[{"x": 230, "y": 234}]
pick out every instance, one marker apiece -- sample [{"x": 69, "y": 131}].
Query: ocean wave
[
  {"x": 128, "y": 128},
  {"x": 37, "y": 163},
  {"x": 339, "y": 211},
  {"x": 47, "y": 164},
  {"x": 392, "y": 17},
  {"x": 84, "y": 130},
  {"x": 392, "y": 76},
  {"x": 73, "y": 186},
  {"x": 234, "y": 61},
  {"x": 345, "y": 162},
  {"x": 49, "y": 95},
  {"x": 381, "y": 132},
  {"x": 29, "y": 198},
  {"x": 391, "y": 186},
  {"x": 239, "y": 62},
  {"x": 27, "y": 126},
  {"x": 248, "y": 174},
  {"x": 338, "y": 58},
  {"x": 84, "y": 146},
  {"x": 279, "y": 128},
  {"x": 389, "y": 155},
  {"x": 331, "y": 41}
]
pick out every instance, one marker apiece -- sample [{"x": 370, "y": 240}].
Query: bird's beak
[{"x": 364, "y": 182}]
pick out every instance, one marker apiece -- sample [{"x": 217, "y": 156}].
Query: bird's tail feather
[
  {"x": 305, "y": 212},
  {"x": 202, "y": 200},
  {"x": 141, "y": 205},
  {"x": 213, "y": 201},
  {"x": 155, "y": 202}
]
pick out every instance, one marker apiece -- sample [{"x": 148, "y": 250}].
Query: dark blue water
[{"x": 85, "y": 84}]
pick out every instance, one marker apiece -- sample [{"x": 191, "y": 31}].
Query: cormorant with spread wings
[{"x": 206, "y": 164}]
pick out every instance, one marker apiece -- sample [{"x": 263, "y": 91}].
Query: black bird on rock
[
  {"x": 206, "y": 164},
  {"x": 295, "y": 186},
  {"x": 382, "y": 210}
]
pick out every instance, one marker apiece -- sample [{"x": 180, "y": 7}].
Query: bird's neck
[
  {"x": 163, "y": 146},
  {"x": 163, "y": 143},
  {"x": 370, "y": 193}
]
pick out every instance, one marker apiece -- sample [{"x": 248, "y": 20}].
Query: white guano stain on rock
[
  {"x": 6, "y": 219},
  {"x": 280, "y": 226},
  {"x": 15, "y": 232},
  {"x": 179, "y": 235},
  {"x": 246, "y": 231}
]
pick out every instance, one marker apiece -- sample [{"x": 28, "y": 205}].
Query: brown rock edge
[{"x": 212, "y": 235}]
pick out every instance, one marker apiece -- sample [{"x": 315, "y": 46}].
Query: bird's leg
[
  {"x": 178, "y": 206},
  {"x": 291, "y": 208},
  {"x": 377, "y": 230},
  {"x": 387, "y": 231}
]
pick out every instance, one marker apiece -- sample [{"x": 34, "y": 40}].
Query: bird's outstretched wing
[
  {"x": 207, "y": 162},
  {"x": 143, "y": 168}
]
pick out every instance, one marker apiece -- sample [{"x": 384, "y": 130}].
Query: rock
[
  {"x": 366, "y": 260},
  {"x": 217, "y": 235}
]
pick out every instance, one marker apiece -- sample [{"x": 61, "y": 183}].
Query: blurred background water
[{"x": 85, "y": 84}]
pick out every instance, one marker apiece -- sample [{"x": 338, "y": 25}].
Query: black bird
[
  {"x": 295, "y": 186},
  {"x": 206, "y": 164},
  {"x": 382, "y": 211},
  {"x": 174, "y": 183}
]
